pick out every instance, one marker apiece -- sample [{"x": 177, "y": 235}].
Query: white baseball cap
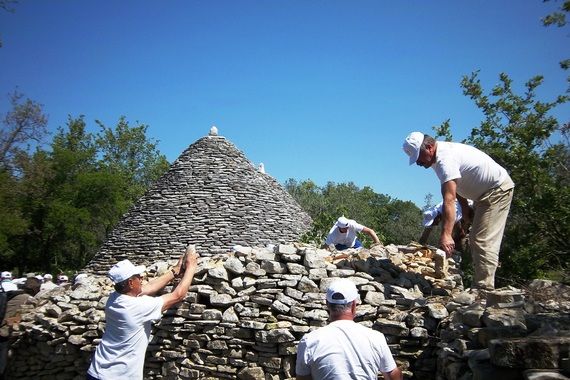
[
  {"x": 412, "y": 145},
  {"x": 6, "y": 275},
  {"x": 124, "y": 270},
  {"x": 48, "y": 276},
  {"x": 342, "y": 222},
  {"x": 342, "y": 291},
  {"x": 429, "y": 216}
]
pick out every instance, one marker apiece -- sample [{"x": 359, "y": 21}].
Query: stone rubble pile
[
  {"x": 506, "y": 336},
  {"x": 245, "y": 313},
  {"x": 247, "y": 309}
]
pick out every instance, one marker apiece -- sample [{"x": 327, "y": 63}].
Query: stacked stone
[
  {"x": 500, "y": 335},
  {"x": 212, "y": 196},
  {"x": 246, "y": 312}
]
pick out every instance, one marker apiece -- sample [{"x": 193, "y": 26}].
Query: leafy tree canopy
[{"x": 58, "y": 203}]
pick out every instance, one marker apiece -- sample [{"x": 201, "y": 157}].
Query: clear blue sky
[{"x": 320, "y": 90}]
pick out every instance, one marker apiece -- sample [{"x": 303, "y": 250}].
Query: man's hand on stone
[{"x": 447, "y": 244}]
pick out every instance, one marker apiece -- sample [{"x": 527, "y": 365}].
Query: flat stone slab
[{"x": 531, "y": 352}]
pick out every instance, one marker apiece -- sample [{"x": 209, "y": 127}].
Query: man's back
[
  {"x": 473, "y": 169},
  {"x": 344, "y": 350},
  {"x": 128, "y": 325}
]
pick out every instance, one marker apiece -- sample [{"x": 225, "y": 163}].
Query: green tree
[
  {"x": 128, "y": 152},
  {"x": 23, "y": 125},
  {"x": 71, "y": 196},
  {"x": 393, "y": 220}
]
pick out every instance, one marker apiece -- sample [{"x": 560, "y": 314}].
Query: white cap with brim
[
  {"x": 412, "y": 145},
  {"x": 6, "y": 275},
  {"x": 342, "y": 292},
  {"x": 429, "y": 216},
  {"x": 124, "y": 270},
  {"x": 342, "y": 222}
]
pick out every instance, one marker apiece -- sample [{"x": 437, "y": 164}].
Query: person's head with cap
[
  {"x": 62, "y": 279},
  {"x": 126, "y": 276},
  {"x": 420, "y": 149},
  {"x": 48, "y": 277},
  {"x": 342, "y": 224},
  {"x": 342, "y": 296},
  {"x": 6, "y": 276},
  {"x": 80, "y": 277}
]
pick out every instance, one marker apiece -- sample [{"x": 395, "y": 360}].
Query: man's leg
[{"x": 487, "y": 230}]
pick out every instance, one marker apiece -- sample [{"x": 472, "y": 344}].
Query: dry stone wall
[
  {"x": 247, "y": 309},
  {"x": 212, "y": 196}
]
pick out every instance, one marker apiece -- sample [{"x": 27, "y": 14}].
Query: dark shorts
[{"x": 341, "y": 247}]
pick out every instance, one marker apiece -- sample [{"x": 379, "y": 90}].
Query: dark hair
[
  {"x": 336, "y": 309},
  {"x": 32, "y": 286},
  {"x": 428, "y": 140},
  {"x": 122, "y": 287}
]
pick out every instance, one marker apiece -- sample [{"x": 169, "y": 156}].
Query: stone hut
[{"x": 212, "y": 196}]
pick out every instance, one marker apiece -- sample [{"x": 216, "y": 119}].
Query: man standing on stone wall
[
  {"x": 468, "y": 173},
  {"x": 129, "y": 313},
  {"x": 344, "y": 349}
]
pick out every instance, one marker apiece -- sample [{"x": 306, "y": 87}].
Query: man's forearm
[
  {"x": 156, "y": 284},
  {"x": 395, "y": 374}
]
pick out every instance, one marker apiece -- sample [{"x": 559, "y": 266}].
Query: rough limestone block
[{"x": 530, "y": 352}]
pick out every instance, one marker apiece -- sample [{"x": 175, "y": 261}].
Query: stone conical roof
[{"x": 211, "y": 196}]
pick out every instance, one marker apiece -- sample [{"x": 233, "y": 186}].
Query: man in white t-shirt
[
  {"x": 343, "y": 234},
  {"x": 468, "y": 173},
  {"x": 432, "y": 217},
  {"x": 344, "y": 349},
  {"x": 48, "y": 283},
  {"x": 129, "y": 314}
]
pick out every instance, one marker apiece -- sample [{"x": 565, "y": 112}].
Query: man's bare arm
[
  {"x": 394, "y": 374},
  {"x": 371, "y": 233},
  {"x": 448, "y": 191}
]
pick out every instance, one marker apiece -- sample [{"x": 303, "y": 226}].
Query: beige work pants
[{"x": 491, "y": 211}]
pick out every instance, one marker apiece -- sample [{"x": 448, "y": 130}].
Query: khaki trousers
[{"x": 491, "y": 211}]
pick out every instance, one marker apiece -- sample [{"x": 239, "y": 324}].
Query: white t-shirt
[
  {"x": 120, "y": 354},
  {"x": 474, "y": 171},
  {"x": 9, "y": 286},
  {"x": 348, "y": 238},
  {"x": 48, "y": 285},
  {"x": 344, "y": 350}
]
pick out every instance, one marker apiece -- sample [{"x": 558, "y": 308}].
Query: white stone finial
[
  {"x": 213, "y": 131},
  {"x": 261, "y": 168}
]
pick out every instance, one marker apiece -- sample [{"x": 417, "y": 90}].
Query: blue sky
[{"x": 320, "y": 90}]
